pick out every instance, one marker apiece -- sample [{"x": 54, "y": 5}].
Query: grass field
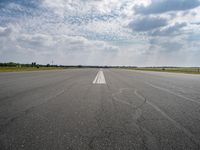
[
  {"x": 190, "y": 70},
  {"x": 18, "y": 69}
]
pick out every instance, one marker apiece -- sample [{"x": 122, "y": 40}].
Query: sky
[{"x": 101, "y": 32}]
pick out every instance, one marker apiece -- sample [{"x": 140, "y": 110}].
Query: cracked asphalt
[{"x": 134, "y": 110}]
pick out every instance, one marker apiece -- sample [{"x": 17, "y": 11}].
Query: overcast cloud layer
[{"x": 101, "y": 32}]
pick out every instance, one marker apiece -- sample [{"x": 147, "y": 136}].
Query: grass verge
[
  {"x": 18, "y": 69},
  {"x": 189, "y": 70}
]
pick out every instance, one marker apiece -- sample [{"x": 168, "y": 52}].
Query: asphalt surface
[{"x": 67, "y": 110}]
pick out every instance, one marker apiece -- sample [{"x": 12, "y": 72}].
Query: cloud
[
  {"x": 88, "y": 18},
  {"x": 194, "y": 37},
  {"x": 147, "y": 23},
  {"x": 161, "y": 6},
  {"x": 166, "y": 45},
  {"x": 35, "y": 41},
  {"x": 4, "y": 32},
  {"x": 25, "y": 3},
  {"x": 169, "y": 30}
]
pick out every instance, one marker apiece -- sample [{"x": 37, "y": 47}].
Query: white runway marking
[{"x": 99, "y": 79}]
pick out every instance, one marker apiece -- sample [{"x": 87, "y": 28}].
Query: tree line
[{"x": 34, "y": 64}]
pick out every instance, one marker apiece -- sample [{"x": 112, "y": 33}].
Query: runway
[{"x": 99, "y": 109}]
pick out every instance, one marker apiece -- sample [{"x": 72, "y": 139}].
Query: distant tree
[
  {"x": 11, "y": 64},
  {"x": 33, "y": 64}
]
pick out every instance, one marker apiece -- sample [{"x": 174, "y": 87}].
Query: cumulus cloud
[
  {"x": 147, "y": 23},
  {"x": 169, "y": 30},
  {"x": 4, "y": 32},
  {"x": 161, "y": 6}
]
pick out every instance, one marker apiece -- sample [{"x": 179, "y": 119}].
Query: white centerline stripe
[{"x": 99, "y": 79}]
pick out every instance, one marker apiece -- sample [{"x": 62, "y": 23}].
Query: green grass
[
  {"x": 190, "y": 70},
  {"x": 18, "y": 69}
]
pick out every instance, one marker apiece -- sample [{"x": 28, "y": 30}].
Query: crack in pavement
[
  {"x": 150, "y": 139},
  {"x": 175, "y": 123}
]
